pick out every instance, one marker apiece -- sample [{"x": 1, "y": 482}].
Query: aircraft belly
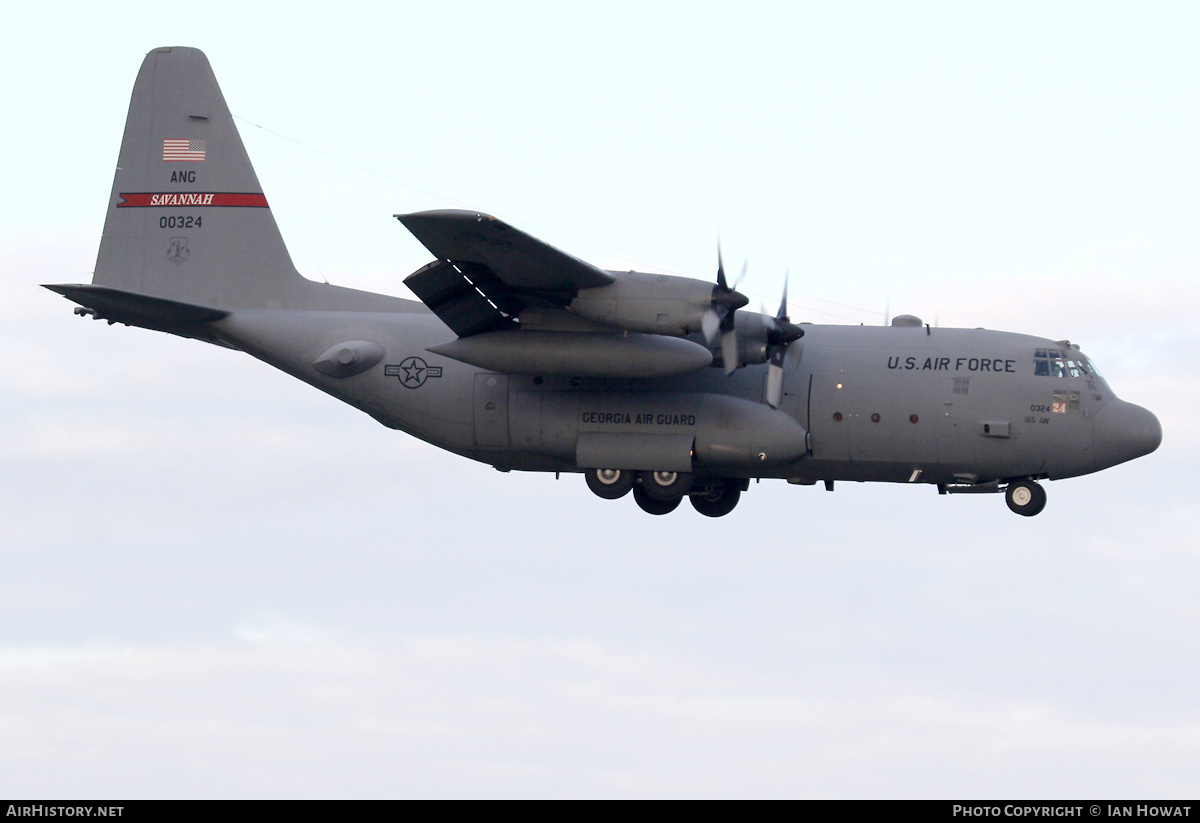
[{"x": 424, "y": 395}]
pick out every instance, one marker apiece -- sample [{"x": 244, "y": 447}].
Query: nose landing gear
[{"x": 1025, "y": 497}]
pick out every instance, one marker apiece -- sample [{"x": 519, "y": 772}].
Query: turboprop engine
[
  {"x": 635, "y": 326},
  {"x": 655, "y": 303},
  {"x": 751, "y": 339}
]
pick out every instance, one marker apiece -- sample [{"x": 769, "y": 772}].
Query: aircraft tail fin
[{"x": 187, "y": 221}]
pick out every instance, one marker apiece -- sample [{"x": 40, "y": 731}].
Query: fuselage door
[
  {"x": 491, "y": 411},
  {"x": 827, "y": 412}
]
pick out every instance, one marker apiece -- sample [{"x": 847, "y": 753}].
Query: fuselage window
[{"x": 1065, "y": 402}]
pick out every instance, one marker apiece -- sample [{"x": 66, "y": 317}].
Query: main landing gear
[
  {"x": 658, "y": 492},
  {"x": 609, "y": 483},
  {"x": 1025, "y": 497},
  {"x": 718, "y": 499},
  {"x": 653, "y": 505}
]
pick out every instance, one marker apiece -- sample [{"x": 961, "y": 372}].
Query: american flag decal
[{"x": 185, "y": 150}]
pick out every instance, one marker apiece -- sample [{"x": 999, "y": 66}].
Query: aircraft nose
[{"x": 1124, "y": 431}]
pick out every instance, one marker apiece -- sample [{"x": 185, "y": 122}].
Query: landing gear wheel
[
  {"x": 718, "y": 500},
  {"x": 1025, "y": 497},
  {"x": 651, "y": 505},
  {"x": 666, "y": 485},
  {"x": 609, "y": 483}
]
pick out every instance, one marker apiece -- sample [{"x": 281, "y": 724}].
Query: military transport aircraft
[{"x": 524, "y": 357}]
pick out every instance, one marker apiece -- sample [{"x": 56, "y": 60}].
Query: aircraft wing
[
  {"x": 519, "y": 260},
  {"x": 487, "y": 271}
]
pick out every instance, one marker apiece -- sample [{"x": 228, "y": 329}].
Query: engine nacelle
[
  {"x": 752, "y": 338},
  {"x": 655, "y": 303}
]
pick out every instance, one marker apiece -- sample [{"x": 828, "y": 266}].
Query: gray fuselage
[{"x": 895, "y": 404}]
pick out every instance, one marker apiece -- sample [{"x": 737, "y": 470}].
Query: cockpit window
[
  {"x": 1060, "y": 363},
  {"x": 1065, "y": 402}
]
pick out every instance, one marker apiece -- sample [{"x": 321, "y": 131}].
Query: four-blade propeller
[
  {"x": 781, "y": 333},
  {"x": 719, "y": 319}
]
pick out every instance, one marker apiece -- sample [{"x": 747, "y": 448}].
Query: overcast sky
[{"x": 220, "y": 582}]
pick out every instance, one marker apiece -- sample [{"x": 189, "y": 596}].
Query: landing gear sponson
[{"x": 658, "y": 492}]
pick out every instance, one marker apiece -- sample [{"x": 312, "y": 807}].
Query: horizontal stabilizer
[{"x": 157, "y": 313}]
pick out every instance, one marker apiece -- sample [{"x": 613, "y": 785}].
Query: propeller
[
  {"x": 781, "y": 333},
  {"x": 719, "y": 319}
]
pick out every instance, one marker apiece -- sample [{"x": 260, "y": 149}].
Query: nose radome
[{"x": 1124, "y": 431}]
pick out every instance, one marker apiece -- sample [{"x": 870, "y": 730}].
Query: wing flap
[{"x": 466, "y": 296}]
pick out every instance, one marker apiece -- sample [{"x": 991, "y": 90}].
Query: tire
[
  {"x": 651, "y": 505},
  {"x": 610, "y": 484},
  {"x": 666, "y": 485},
  {"x": 1025, "y": 497},
  {"x": 719, "y": 500}
]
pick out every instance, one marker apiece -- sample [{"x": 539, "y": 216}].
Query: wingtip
[{"x": 444, "y": 214}]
